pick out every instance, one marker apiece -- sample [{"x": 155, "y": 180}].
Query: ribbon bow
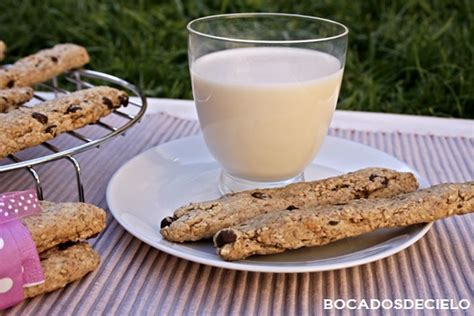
[{"x": 19, "y": 261}]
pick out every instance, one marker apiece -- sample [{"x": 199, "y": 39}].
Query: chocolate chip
[
  {"x": 225, "y": 237},
  {"x": 73, "y": 108},
  {"x": 93, "y": 236},
  {"x": 166, "y": 221},
  {"x": 384, "y": 182},
  {"x": 50, "y": 129},
  {"x": 123, "y": 100},
  {"x": 43, "y": 119},
  {"x": 108, "y": 102},
  {"x": 54, "y": 59},
  {"x": 11, "y": 83},
  {"x": 341, "y": 186},
  {"x": 361, "y": 194},
  {"x": 261, "y": 195},
  {"x": 292, "y": 207},
  {"x": 66, "y": 245},
  {"x": 333, "y": 223}
]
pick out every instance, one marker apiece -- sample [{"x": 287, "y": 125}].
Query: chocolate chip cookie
[
  {"x": 59, "y": 223},
  {"x": 62, "y": 265},
  {"x": 14, "y": 97},
  {"x": 277, "y": 232},
  {"x": 44, "y": 65},
  {"x": 27, "y": 127},
  {"x": 3, "y": 48},
  {"x": 202, "y": 220}
]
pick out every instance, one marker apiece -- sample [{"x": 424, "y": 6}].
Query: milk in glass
[{"x": 265, "y": 111}]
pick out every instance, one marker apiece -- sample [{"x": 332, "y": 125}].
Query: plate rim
[{"x": 245, "y": 266}]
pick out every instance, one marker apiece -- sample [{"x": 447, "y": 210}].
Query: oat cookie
[
  {"x": 14, "y": 97},
  {"x": 3, "y": 48},
  {"x": 27, "y": 127},
  {"x": 291, "y": 229},
  {"x": 202, "y": 220},
  {"x": 44, "y": 65},
  {"x": 59, "y": 223},
  {"x": 63, "y": 265}
]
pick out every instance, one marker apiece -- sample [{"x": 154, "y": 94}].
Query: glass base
[{"x": 230, "y": 184}]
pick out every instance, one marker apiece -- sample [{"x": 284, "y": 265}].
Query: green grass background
[{"x": 414, "y": 57}]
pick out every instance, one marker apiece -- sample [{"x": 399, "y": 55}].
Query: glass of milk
[{"x": 265, "y": 87}]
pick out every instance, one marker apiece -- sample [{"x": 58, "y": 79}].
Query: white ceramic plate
[{"x": 153, "y": 184}]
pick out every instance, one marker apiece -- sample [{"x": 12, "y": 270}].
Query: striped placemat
[{"x": 137, "y": 279}]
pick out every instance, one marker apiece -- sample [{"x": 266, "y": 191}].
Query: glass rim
[{"x": 190, "y": 28}]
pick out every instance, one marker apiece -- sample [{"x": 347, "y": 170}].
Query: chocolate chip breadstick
[
  {"x": 59, "y": 223},
  {"x": 62, "y": 266},
  {"x": 13, "y": 98},
  {"x": 3, "y": 48},
  {"x": 44, "y": 65},
  {"x": 291, "y": 229},
  {"x": 202, "y": 220},
  {"x": 27, "y": 127}
]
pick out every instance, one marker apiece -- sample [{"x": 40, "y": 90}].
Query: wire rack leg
[
  {"x": 55, "y": 85},
  {"x": 80, "y": 186},
  {"x": 39, "y": 188},
  {"x": 77, "y": 76}
]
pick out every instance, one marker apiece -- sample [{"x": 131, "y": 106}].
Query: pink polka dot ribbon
[
  {"x": 19, "y": 261},
  {"x": 18, "y": 204}
]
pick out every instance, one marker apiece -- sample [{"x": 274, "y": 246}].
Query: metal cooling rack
[{"x": 81, "y": 80}]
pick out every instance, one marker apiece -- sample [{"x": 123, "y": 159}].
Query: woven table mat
[{"x": 136, "y": 279}]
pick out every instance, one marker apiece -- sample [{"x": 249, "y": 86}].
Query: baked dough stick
[
  {"x": 59, "y": 223},
  {"x": 3, "y": 48},
  {"x": 202, "y": 220},
  {"x": 63, "y": 266},
  {"x": 27, "y": 127},
  {"x": 13, "y": 98},
  {"x": 280, "y": 231},
  {"x": 44, "y": 65}
]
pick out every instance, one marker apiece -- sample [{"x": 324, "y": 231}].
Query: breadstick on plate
[
  {"x": 292, "y": 229},
  {"x": 14, "y": 97},
  {"x": 202, "y": 220},
  {"x": 59, "y": 223},
  {"x": 44, "y": 65},
  {"x": 27, "y": 127},
  {"x": 62, "y": 266}
]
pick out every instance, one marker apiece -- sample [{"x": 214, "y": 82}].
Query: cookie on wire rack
[
  {"x": 28, "y": 127},
  {"x": 3, "y": 48},
  {"x": 43, "y": 65},
  {"x": 11, "y": 99}
]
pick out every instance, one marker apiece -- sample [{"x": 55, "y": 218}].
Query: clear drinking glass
[{"x": 265, "y": 87}]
